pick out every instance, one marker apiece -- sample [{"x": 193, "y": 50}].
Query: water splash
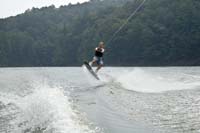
[
  {"x": 46, "y": 110},
  {"x": 142, "y": 81}
]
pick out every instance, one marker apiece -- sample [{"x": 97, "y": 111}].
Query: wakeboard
[{"x": 89, "y": 68}]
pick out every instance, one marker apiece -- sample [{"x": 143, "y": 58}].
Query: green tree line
[{"x": 162, "y": 33}]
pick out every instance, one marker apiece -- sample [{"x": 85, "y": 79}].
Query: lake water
[{"x": 126, "y": 100}]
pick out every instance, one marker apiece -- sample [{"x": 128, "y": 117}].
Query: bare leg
[
  {"x": 92, "y": 63},
  {"x": 98, "y": 68}
]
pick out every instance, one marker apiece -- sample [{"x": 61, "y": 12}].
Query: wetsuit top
[{"x": 99, "y": 52}]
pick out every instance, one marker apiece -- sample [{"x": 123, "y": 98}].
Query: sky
[{"x": 13, "y": 7}]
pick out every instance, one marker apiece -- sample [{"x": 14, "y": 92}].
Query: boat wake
[
  {"x": 167, "y": 101},
  {"x": 46, "y": 110},
  {"x": 127, "y": 100},
  {"x": 151, "y": 82}
]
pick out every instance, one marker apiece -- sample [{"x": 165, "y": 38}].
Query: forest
[{"x": 162, "y": 33}]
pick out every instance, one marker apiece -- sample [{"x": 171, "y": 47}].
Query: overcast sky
[{"x": 14, "y": 7}]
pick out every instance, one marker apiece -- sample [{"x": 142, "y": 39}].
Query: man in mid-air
[{"x": 98, "y": 56}]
